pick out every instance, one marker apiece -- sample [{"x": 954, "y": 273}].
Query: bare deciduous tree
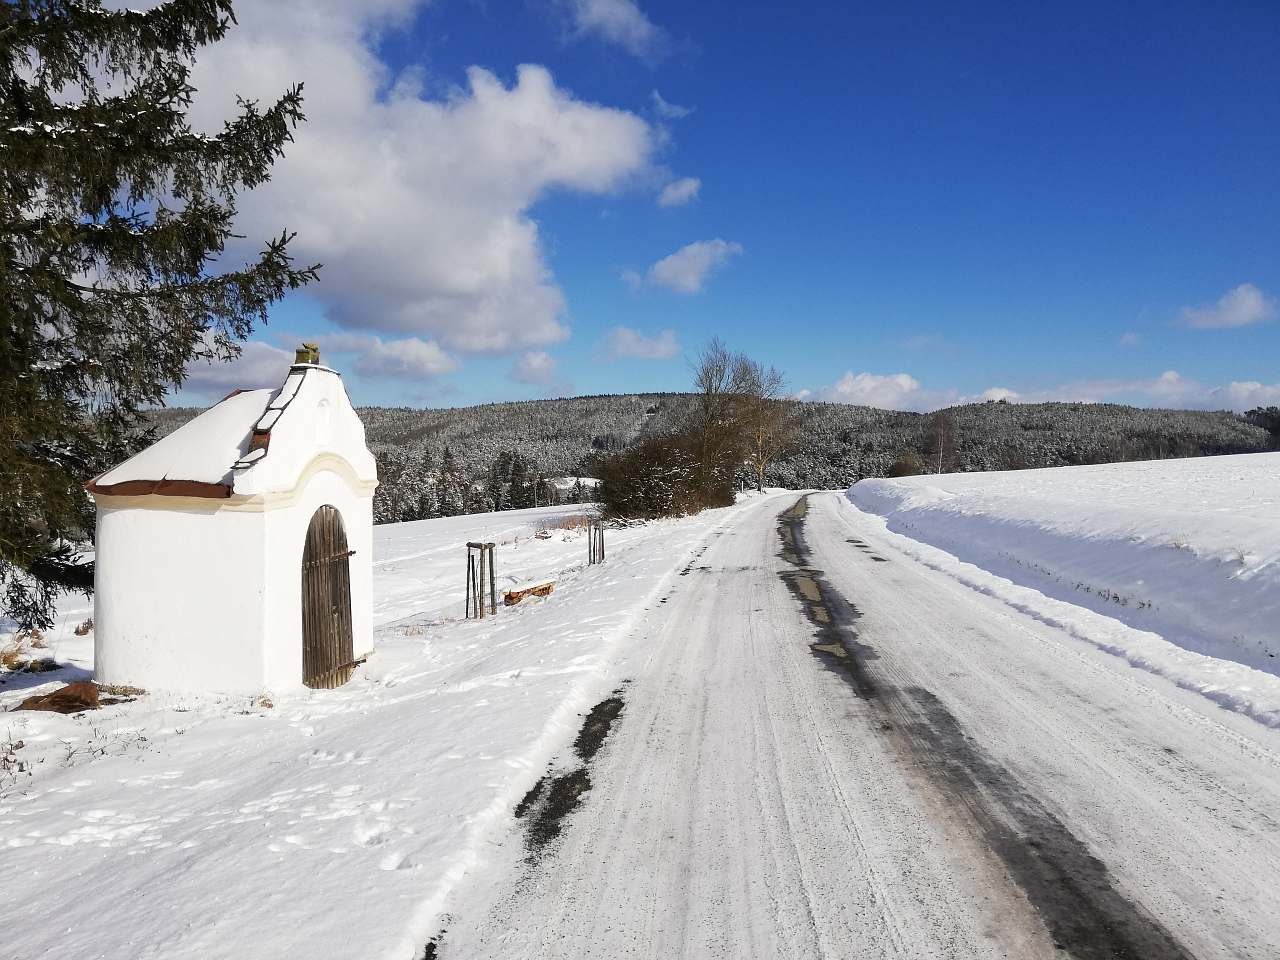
[
  {"x": 742, "y": 414},
  {"x": 769, "y": 418},
  {"x": 940, "y": 441},
  {"x": 721, "y": 379}
]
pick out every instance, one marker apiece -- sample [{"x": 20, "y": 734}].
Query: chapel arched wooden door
[{"x": 326, "y": 602}]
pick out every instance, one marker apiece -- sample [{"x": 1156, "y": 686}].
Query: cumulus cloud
[
  {"x": 894, "y": 391},
  {"x": 626, "y": 342},
  {"x": 900, "y": 391},
  {"x": 687, "y": 270},
  {"x": 679, "y": 192},
  {"x": 621, "y": 22},
  {"x": 259, "y": 365},
  {"x": 1244, "y": 395},
  {"x": 410, "y": 358},
  {"x": 263, "y": 365},
  {"x": 1169, "y": 389},
  {"x": 416, "y": 202},
  {"x": 998, "y": 393},
  {"x": 536, "y": 367},
  {"x": 667, "y": 110},
  {"x": 1241, "y": 306}
]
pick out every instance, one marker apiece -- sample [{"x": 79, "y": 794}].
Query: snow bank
[
  {"x": 1187, "y": 549},
  {"x": 333, "y": 822}
]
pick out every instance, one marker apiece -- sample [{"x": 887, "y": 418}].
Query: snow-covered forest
[{"x": 501, "y": 456}]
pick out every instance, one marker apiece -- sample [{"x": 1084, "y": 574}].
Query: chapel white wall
[
  {"x": 319, "y": 420},
  {"x": 179, "y": 599}
]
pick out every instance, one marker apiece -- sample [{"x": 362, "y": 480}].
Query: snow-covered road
[{"x": 829, "y": 749}]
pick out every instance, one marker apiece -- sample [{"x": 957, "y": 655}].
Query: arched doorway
[{"x": 326, "y": 602}]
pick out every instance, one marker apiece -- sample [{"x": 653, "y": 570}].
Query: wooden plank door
[{"x": 326, "y": 602}]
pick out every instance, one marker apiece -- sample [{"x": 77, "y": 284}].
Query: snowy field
[
  {"x": 181, "y": 826},
  {"x": 1184, "y": 553}
]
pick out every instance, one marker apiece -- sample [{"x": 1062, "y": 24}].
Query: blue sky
[{"x": 906, "y": 204}]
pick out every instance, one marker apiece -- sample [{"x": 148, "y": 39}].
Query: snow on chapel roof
[
  {"x": 196, "y": 459},
  {"x": 224, "y": 451}
]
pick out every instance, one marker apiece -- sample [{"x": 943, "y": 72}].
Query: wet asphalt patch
[
  {"x": 1070, "y": 887},
  {"x": 557, "y": 794},
  {"x": 834, "y": 619},
  {"x": 432, "y": 950},
  {"x": 596, "y": 727},
  {"x": 1074, "y": 893},
  {"x": 865, "y": 548},
  {"x": 689, "y": 567}
]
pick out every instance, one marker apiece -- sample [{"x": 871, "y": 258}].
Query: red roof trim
[{"x": 163, "y": 488}]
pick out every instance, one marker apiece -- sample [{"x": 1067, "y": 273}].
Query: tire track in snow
[{"x": 1071, "y": 889}]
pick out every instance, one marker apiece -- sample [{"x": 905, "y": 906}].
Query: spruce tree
[
  {"x": 452, "y": 492},
  {"x": 499, "y": 481},
  {"x": 115, "y": 212},
  {"x": 519, "y": 494},
  {"x": 426, "y": 499}
]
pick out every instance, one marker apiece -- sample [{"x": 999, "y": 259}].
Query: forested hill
[{"x": 837, "y": 443}]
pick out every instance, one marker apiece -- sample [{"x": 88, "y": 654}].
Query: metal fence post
[{"x": 493, "y": 591}]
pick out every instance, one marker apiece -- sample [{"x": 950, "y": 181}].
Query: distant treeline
[{"x": 502, "y": 456}]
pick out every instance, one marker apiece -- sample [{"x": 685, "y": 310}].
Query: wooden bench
[{"x": 537, "y": 588}]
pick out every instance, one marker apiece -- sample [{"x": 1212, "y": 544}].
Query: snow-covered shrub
[{"x": 657, "y": 478}]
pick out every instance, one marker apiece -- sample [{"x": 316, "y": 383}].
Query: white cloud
[
  {"x": 407, "y": 359},
  {"x": 1245, "y": 394},
  {"x": 901, "y": 391},
  {"x": 536, "y": 367},
  {"x": 667, "y": 110},
  {"x": 1130, "y": 339},
  {"x": 686, "y": 270},
  {"x": 998, "y": 393},
  {"x": 259, "y": 365},
  {"x": 679, "y": 192},
  {"x": 621, "y": 22},
  {"x": 1239, "y": 307},
  {"x": 894, "y": 391},
  {"x": 1169, "y": 389},
  {"x": 417, "y": 203},
  {"x": 625, "y": 342},
  {"x": 263, "y": 365}
]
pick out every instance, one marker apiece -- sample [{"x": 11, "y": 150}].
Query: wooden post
[
  {"x": 595, "y": 542},
  {"x": 481, "y": 579}
]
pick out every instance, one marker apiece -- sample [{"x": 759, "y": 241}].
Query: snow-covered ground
[
  {"x": 767, "y": 789},
  {"x": 834, "y": 750},
  {"x": 215, "y": 827},
  {"x": 1185, "y": 553}
]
